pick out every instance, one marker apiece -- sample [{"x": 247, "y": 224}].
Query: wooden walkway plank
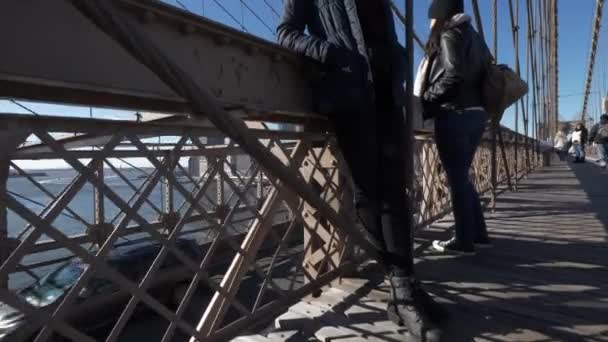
[
  {"x": 547, "y": 272},
  {"x": 546, "y": 279},
  {"x": 279, "y": 336}
]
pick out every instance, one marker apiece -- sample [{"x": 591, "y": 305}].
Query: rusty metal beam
[
  {"x": 99, "y": 131},
  {"x": 52, "y": 53}
]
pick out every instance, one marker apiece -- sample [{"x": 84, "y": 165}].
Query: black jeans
[
  {"x": 458, "y": 135},
  {"x": 372, "y": 143}
]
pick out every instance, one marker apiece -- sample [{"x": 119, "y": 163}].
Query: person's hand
[{"x": 345, "y": 60}]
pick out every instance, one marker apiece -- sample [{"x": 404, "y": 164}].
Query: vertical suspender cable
[
  {"x": 478, "y": 21},
  {"x": 541, "y": 65},
  {"x": 515, "y": 27},
  {"x": 556, "y": 61},
  {"x": 525, "y": 105},
  {"x": 495, "y": 125},
  {"x": 535, "y": 85},
  {"x": 409, "y": 106}
]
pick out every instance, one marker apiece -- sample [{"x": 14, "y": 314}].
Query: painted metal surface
[{"x": 55, "y": 54}]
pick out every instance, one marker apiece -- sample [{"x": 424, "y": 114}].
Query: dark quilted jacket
[{"x": 333, "y": 25}]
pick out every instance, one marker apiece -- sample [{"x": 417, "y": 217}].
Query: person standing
[
  {"x": 578, "y": 140},
  {"x": 599, "y": 138},
  {"x": 560, "y": 144},
  {"x": 457, "y": 58},
  {"x": 585, "y": 139},
  {"x": 363, "y": 96}
]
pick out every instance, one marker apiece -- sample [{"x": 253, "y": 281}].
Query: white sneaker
[{"x": 603, "y": 164}]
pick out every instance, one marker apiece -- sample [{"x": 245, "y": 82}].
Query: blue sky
[{"x": 575, "y": 31}]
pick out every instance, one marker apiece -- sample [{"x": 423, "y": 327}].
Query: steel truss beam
[{"x": 52, "y": 53}]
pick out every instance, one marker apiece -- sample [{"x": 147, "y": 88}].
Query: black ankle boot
[{"x": 413, "y": 308}]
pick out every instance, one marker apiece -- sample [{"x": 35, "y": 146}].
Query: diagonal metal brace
[{"x": 106, "y": 17}]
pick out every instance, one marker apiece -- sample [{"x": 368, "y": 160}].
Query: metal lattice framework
[
  {"x": 270, "y": 212},
  {"x": 248, "y": 225},
  {"x": 237, "y": 227}
]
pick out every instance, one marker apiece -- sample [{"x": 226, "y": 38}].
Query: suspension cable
[
  {"x": 23, "y": 107},
  {"x": 403, "y": 20},
  {"x": 258, "y": 17},
  {"x": 597, "y": 23},
  {"x": 478, "y": 19},
  {"x": 274, "y": 10},
  {"x": 556, "y": 59},
  {"x": 231, "y": 16}
]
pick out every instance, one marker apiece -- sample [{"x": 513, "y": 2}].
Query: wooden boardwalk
[{"x": 546, "y": 279}]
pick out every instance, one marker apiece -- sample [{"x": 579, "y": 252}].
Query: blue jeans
[
  {"x": 458, "y": 135},
  {"x": 579, "y": 150},
  {"x": 602, "y": 150},
  {"x": 562, "y": 154}
]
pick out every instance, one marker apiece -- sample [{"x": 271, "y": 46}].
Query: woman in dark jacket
[
  {"x": 362, "y": 94},
  {"x": 457, "y": 59}
]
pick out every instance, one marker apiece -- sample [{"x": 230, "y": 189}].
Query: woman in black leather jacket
[{"x": 457, "y": 59}]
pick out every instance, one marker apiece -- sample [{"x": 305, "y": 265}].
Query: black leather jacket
[
  {"x": 335, "y": 38},
  {"x": 457, "y": 70}
]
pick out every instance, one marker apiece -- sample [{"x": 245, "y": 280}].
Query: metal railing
[
  {"x": 201, "y": 255},
  {"x": 246, "y": 224}
]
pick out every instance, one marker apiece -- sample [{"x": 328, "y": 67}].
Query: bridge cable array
[{"x": 597, "y": 24}]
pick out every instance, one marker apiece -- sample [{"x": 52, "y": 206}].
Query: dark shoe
[
  {"x": 413, "y": 308},
  {"x": 437, "y": 314},
  {"x": 452, "y": 246}
]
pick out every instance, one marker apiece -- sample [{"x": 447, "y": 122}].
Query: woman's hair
[{"x": 432, "y": 44}]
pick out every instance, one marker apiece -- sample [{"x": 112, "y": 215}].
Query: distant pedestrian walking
[
  {"x": 599, "y": 139},
  {"x": 578, "y": 139},
  {"x": 561, "y": 145}
]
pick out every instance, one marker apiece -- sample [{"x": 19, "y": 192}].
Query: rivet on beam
[
  {"x": 187, "y": 29},
  {"x": 148, "y": 17},
  {"x": 277, "y": 58},
  {"x": 301, "y": 67},
  {"x": 222, "y": 40},
  {"x": 251, "y": 49}
]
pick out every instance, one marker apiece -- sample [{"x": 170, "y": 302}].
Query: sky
[{"x": 260, "y": 17}]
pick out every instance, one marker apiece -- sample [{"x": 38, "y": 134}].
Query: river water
[{"x": 56, "y": 180}]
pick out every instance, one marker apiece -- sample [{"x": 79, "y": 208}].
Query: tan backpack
[{"x": 501, "y": 88}]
